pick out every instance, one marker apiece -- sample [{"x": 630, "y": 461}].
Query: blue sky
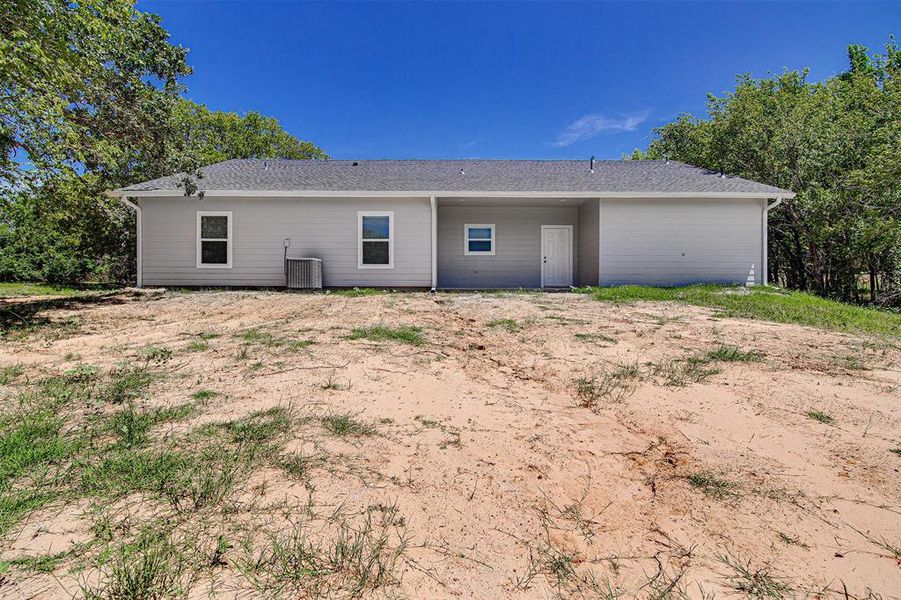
[{"x": 499, "y": 80}]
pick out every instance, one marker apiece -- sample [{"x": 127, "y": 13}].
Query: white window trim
[
  {"x": 229, "y": 241},
  {"x": 466, "y": 250},
  {"x": 360, "y": 240}
]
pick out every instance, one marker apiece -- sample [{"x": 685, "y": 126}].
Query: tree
[
  {"x": 837, "y": 144},
  {"x": 82, "y": 84},
  {"x": 90, "y": 101},
  {"x": 213, "y": 136}
]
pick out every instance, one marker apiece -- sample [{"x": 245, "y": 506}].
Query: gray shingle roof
[{"x": 462, "y": 176}]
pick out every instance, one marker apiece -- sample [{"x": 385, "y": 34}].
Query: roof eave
[{"x": 123, "y": 193}]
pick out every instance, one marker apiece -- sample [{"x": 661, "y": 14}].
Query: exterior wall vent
[{"x": 303, "y": 273}]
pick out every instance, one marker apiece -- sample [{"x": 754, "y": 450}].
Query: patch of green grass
[
  {"x": 612, "y": 384},
  {"x": 8, "y": 290},
  {"x": 148, "y": 568},
  {"x": 201, "y": 395},
  {"x": 683, "y": 372},
  {"x": 407, "y": 334},
  {"x": 56, "y": 392},
  {"x": 188, "y": 480},
  {"x": 82, "y": 373},
  {"x": 256, "y": 336},
  {"x": 332, "y": 383},
  {"x": 131, "y": 425},
  {"x": 560, "y": 567},
  {"x": 207, "y": 335},
  {"x": 198, "y": 346},
  {"x": 34, "y": 444},
  {"x": 427, "y": 423},
  {"x": 296, "y": 345},
  {"x": 754, "y": 583},
  {"x": 345, "y": 424},
  {"x": 298, "y": 464},
  {"x": 849, "y": 360},
  {"x": 131, "y": 470},
  {"x": 353, "y": 560},
  {"x": 712, "y": 485},
  {"x": 896, "y": 451},
  {"x": 567, "y": 320},
  {"x": 766, "y": 303},
  {"x": 154, "y": 353},
  {"x": 125, "y": 383},
  {"x": 17, "y": 504},
  {"x": 33, "y": 439},
  {"x": 9, "y": 373},
  {"x": 358, "y": 292},
  {"x": 509, "y": 325},
  {"x": 595, "y": 338},
  {"x": 726, "y": 353},
  {"x": 822, "y": 417},
  {"x": 46, "y": 563},
  {"x": 259, "y": 427}
]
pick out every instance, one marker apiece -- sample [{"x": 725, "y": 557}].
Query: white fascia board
[{"x": 442, "y": 194}]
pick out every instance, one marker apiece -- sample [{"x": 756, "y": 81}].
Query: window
[
  {"x": 478, "y": 239},
  {"x": 214, "y": 239},
  {"x": 376, "y": 240}
]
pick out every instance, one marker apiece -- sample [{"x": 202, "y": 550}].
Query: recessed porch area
[{"x": 507, "y": 242}]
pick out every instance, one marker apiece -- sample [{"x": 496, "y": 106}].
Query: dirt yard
[{"x": 456, "y": 445}]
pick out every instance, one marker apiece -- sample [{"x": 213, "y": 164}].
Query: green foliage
[
  {"x": 379, "y": 333},
  {"x": 8, "y": 374},
  {"x": 711, "y": 485},
  {"x": 820, "y": 416},
  {"x": 346, "y": 424},
  {"x": 36, "y": 289},
  {"x": 150, "y": 567},
  {"x": 727, "y": 353},
  {"x": 359, "y": 292},
  {"x": 835, "y": 143},
  {"x": 34, "y": 445},
  {"x": 131, "y": 425},
  {"x": 212, "y": 136},
  {"x": 508, "y": 324},
  {"x": 259, "y": 426},
  {"x": 764, "y": 303},
  {"x": 202, "y": 395},
  {"x": 89, "y": 98},
  {"x": 126, "y": 383}
]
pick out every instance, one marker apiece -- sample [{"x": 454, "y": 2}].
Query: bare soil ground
[{"x": 531, "y": 446}]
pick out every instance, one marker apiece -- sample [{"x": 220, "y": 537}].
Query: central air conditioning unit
[{"x": 303, "y": 273}]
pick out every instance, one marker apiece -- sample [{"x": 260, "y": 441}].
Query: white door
[{"x": 556, "y": 255}]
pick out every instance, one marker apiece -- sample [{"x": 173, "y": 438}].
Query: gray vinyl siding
[
  {"x": 517, "y": 259},
  {"x": 323, "y": 228},
  {"x": 587, "y": 273},
  {"x": 676, "y": 242}
]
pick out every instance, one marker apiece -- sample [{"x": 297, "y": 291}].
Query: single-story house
[{"x": 454, "y": 224}]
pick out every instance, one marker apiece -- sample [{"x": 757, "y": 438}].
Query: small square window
[{"x": 478, "y": 239}]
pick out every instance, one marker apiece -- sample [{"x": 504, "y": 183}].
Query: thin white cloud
[{"x": 593, "y": 125}]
